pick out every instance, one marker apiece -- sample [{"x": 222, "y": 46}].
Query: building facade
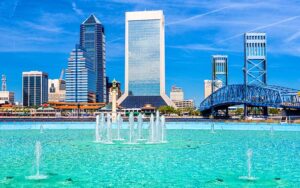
[
  {"x": 219, "y": 71},
  {"x": 92, "y": 40},
  {"x": 255, "y": 66},
  {"x": 176, "y": 94},
  {"x": 210, "y": 85},
  {"x": 35, "y": 88},
  {"x": 7, "y": 97},
  {"x": 184, "y": 104},
  {"x": 144, "y": 60},
  {"x": 177, "y": 97},
  {"x": 80, "y": 77},
  {"x": 56, "y": 90}
]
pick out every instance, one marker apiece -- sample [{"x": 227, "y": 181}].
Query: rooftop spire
[
  {"x": 3, "y": 82},
  {"x": 92, "y": 19}
]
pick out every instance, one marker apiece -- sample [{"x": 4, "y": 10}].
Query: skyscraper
[
  {"x": 219, "y": 71},
  {"x": 35, "y": 88},
  {"x": 80, "y": 77},
  {"x": 144, "y": 60},
  {"x": 255, "y": 67},
  {"x": 92, "y": 40}
]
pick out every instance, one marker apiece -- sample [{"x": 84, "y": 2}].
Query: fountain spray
[
  {"x": 97, "y": 136},
  {"x": 38, "y": 154}
]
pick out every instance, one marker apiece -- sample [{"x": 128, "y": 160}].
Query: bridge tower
[
  {"x": 219, "y": 73},
  {"x": 255, "y": 65}
]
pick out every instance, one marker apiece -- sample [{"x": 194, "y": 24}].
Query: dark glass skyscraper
[
  {"x": 35, "y": 88},
  {"x": 92, "y": 40}
]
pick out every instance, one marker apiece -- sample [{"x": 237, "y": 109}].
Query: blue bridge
[{"x": 251, "y": 96}]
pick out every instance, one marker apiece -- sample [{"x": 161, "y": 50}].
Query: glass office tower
[
  {"x": 144, "y": 60},
  {"x": 80, "y": 77},
  {"x": 35, "y": 88},
  {"x": 92, "y": 39}
]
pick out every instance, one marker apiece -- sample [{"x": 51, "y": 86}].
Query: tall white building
[
  {"x": 144, "y": 60},
  {"x": 56, "y": 90},
  {"x": 208, "y": 87}
]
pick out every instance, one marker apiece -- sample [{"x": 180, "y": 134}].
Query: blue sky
[{"x": 39, "y": 35}]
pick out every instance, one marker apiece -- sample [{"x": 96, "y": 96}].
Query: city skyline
[{"x": 46, "y": 47}]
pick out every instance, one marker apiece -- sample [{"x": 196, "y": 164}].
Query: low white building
[
  {"x": 7, "y": 97},
  {"x": 184, "y": 104},
  {"x": 177, "y": 96},
  {"x": 56, "y": 90}
]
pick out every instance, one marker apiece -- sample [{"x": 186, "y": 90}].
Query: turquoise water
[{"x": 191, "y": 158}]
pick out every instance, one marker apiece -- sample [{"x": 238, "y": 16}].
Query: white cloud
[
  {"x": 260, "y": 28},
  {"x": 197, "y": 16},
  {"x": 77, "y": 10},
  {"x": 198, "y": 47},
  {"x": 43, "y": 27},
  {"x": 293, "y": 37}
]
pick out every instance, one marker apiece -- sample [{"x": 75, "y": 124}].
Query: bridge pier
[
  {"x": 265, "y": 111},
  {"x": 245, "y": 111},
  {"x": 220, "y": 113},
  {"x": 290, "y": 112}
]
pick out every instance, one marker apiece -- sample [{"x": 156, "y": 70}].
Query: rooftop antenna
[
  {"x": 3, "y": 82},
  {"x": 62, "y": 74}
]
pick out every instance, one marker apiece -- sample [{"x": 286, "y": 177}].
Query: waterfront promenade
[{"x": 275, "y": 119}]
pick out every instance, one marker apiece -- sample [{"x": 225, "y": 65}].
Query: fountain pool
[{"x": 191, "y": 157}]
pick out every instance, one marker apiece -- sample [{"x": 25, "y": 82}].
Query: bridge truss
[{"x": 252, "y": 96}]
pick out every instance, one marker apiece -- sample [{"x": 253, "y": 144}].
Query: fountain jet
[
  {"x": 131, "y": 129},
  {"x": 108, "y": 130},
  {"x": 119, "y": 126},
  {"x": 163, "y": 129},
  {"x": 249, "y": 167},
  {"x": 38, "y": 154},
  {"x": 41, "y": 128},
  {"x": 97, "y": 135},
  {"x": 212, "y": 128}
]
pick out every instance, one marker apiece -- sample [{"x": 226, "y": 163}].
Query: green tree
[
  {"x": 274, "y": 111},
  {"x": 239, "y": 111},
  {"x": 166, "y": 110}
]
